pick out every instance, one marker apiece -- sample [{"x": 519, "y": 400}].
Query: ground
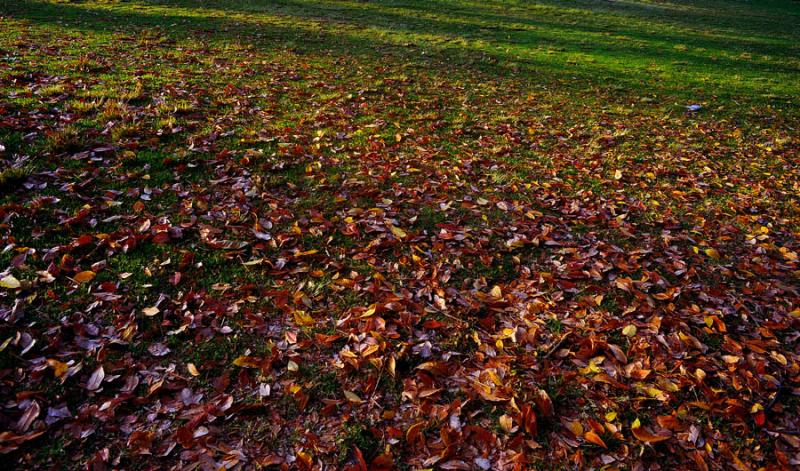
[{"x": 400, "y": 234}]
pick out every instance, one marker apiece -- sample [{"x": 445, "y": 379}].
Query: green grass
[{"x": 711, "y": 51}]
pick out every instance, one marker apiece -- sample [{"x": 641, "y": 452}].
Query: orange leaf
[
  {"x": 85, "y": 276},
  {"x": 59, "y": 368},
  {"x": 414, "y": 432},
  {"x": 592, "y": 437},
  {"x": 648, "y": 437}
]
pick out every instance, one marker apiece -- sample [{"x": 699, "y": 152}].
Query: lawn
[{"x": 400, "y": 234}]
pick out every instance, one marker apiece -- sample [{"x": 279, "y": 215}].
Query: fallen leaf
[
  {"x": 353, "y": 397},
  {"x": 59, "y": 368},
  {"x": 645, "y": 436},
  {"x": 399, "y": 233},
  {"x": 593, "y": 437},
  {"x": 150, "y": 311},
  {"x": 85, "y": 276},
  {"x": 96, "y": 379},
  {"x": 10, "y": 282},
  {"x": 506, "y": 423},
  {"x": 629, "y": 330}
]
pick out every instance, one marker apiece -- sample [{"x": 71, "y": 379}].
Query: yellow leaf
[
  {"x": 506, "y": 423},
  {"x": 192, "y": 369},
  {"x": 629, "y": 330},
  {"x": 10, "y": 282},
  {"x": 731, "y": 359},
  {"x": 712, "y": 253},
  {"x": 353, "y": 397},
  {"x": 84, "y": 276},
  {"x": 302, "y": 318},
  {"x": 496, "y": 292},
  {"x": 576, "y": 428},
  {"x": 617, "y": 175},
  {"x": 247, "y": 362},
  {"x": 591, "y": 368},
  {"x": 59, "y": 368},
  {"x": 699, "y": 374},
  {"x": 399, "y": 233},
  {"x": 610, "y": 416},
  {"x": 370, "y": 311}
]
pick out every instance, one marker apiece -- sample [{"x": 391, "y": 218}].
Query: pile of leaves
[{"x": 218, "y": 255}]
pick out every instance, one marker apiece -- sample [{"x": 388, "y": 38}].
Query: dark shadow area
[{"x": 608, "y": 53}]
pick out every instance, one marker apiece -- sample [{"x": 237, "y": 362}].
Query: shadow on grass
[{"x": 633, "y": 46}]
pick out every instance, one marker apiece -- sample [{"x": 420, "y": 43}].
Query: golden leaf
[
  {"x": 302, "y": 318},
  {"x": 59, "y": 368},
  {"x": 10, "y": 282}
]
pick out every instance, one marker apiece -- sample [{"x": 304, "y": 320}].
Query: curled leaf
[{"x": 96, "y": 379}]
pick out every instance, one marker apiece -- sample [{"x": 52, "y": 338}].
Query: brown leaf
[
  {"x": 544, "y": 405},
  {"x": 31, "y": 413},
  {"x": 646, "y": 436}
]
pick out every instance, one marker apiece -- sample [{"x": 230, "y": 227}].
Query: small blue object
[{"x": 693, "y": 107}]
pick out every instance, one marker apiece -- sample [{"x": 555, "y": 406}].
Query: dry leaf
[
  {"x": 84, "y": 276},
  {"x": 10, "y": 282}
]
